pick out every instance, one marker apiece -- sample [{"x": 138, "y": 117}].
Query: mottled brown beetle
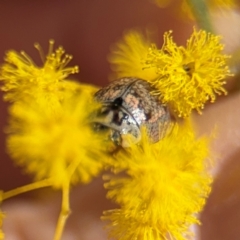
[{"x": 127, "y": 104}]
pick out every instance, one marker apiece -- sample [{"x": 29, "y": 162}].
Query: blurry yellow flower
[
  {"x": 189, "y": 76},
  {"x": 128, "y": 55},
  {"x": 49, "y": 130},
  {"x": 186, "y": 4},
  {"x": 53, "y": 144},
  {"x": 1, "y": 220},
  {"x": 198, "y": 10},
  {"x": 165, "y": 187},
  {"x": 23, "y": 78},
  {"x": 211, "y": 5},
  {"x": 161, "y": 3}
]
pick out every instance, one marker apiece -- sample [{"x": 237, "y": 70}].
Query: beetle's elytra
[{"x": 127, "y": 104}]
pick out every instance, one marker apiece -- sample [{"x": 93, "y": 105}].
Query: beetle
[{"x": 126, "y": 105}]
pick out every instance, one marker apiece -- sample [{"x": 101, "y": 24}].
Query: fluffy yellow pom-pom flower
[
  {"x": 23, "y": 78},
  {"x": 51, "y": 144},
  {"x": 185, "y": 78},
  {"x": 127, "y": 57},
  {"x": 165, "y": 187},
  {"x": 189, "y": 77}
]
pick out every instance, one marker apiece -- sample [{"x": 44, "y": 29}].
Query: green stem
[{"x": 201, "y": 13}]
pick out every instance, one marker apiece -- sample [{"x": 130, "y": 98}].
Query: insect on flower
[{"x": 128, "y": 104}]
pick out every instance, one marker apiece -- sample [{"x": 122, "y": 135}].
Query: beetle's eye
[{"x": 118, "y": 102}]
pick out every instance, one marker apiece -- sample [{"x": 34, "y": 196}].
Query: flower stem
[
  {"x": 201, "y": 13},
  {"x": 65, "y": 209},
  {"x": 26, "y": 188},
  {"x": 65, "y": 212}
]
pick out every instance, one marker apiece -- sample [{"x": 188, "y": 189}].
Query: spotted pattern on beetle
[{"x": 127, "y": 104}]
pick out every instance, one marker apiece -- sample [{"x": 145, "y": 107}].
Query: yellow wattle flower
[
  {"x": 164, "y": 187},
  {"x": 185, "y": 78},
  {"x": 190, "y": 76},
  {"x": 56, "y": 144},
  {"x": 128, "y": 56},
  {"x": 49, "y": 132},
  {"x": 23, "y": 78},
  {"x": 49, "y": 129}
]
